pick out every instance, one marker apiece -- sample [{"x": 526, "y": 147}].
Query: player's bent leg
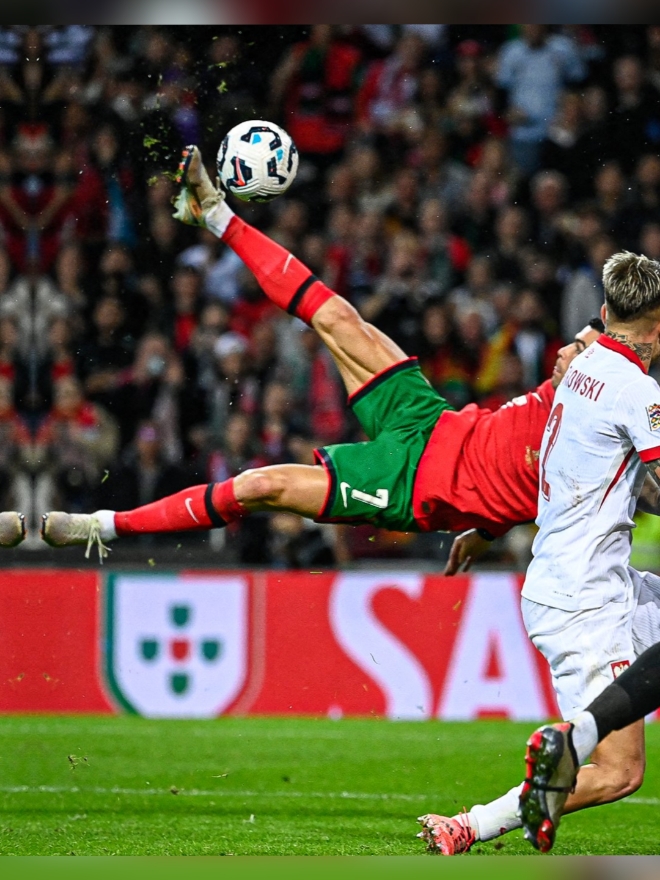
[
  {"x": 616, "y": 770},
  {"x": 359, "y": 349},
  {"x": 554, "y": 787},
  {"x": 284, "y": 279}
]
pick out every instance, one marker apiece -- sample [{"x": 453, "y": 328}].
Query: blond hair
[{"x": 632, "y": 285}]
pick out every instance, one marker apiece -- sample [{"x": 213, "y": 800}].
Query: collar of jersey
[{"x": 619, "y": 347}]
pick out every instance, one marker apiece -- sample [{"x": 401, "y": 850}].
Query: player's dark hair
[{"x": 597, "y": 324}]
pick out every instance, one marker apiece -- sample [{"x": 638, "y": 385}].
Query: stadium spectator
[
  {"x": 549, "y": 191},
  {"x": 583, "y": 292},
  {"x": 533, "y": 69},
  {"x": 476, "y": 217},
  {"x": 152, "y": 387},
  {"x": 315, "y": 86},
  {"x": 186, "y": 288},
  {"x": 322, "y": 393},
  {"x": 235, "y": 389},
  {"x": 143, "y": 474},
  {"x": 73, "y": 445},
  {"x": 511, "y": 235},
  {"x": 444, "y": 361},
  {"x": 238, "y": 450},
  {"x": 105, "y": 354},
  {"x": 558, "y": 150},
  {"x": 57, "y": 360},
  {"x": 394, "y": 306},
  {"x": 386, "y": 94},
  {"x": 610, "y": 193},
  {"x": 634, "y": 127},
  {"x": 443, "y": 178},
  {"x": 503, "y": 178},
  {"x": 473, "y": 97},
  {"x": 445, "y": 254},
  {"x": 15, "y": 453},
  {"x": 644, "y": 204}
]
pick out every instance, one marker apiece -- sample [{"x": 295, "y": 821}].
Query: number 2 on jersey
[{"x": 553, "y": 426}]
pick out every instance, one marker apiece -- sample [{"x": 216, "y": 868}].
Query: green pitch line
[{"x": 128, "y": 786}]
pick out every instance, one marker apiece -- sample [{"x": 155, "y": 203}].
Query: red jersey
[{"x": 480, "y": 468}]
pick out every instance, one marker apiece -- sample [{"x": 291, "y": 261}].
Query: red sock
[
  {"x": 283, "y": 278},
  {"x": 198, "y": 508}
]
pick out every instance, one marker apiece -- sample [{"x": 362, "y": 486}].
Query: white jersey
[{"x": 604, "y": 424}]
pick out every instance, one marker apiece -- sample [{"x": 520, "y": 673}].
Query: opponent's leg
[
  {"x": 293, "y": 488},
  {"x": 454, "y": 835},
  {"x": 360, "y": 350}
]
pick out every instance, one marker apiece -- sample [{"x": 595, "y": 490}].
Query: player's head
[
  {"x": 632, "y": 289},
  {"x": 582, "y": 340}
]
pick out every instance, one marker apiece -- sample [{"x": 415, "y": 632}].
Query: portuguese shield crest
[{"x": 177, "y": 645}]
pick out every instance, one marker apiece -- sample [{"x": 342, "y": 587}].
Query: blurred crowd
[{"x": 462, "y": 186}]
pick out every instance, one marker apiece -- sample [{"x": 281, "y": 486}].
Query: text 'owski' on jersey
[{"x": 585, "y": 386}]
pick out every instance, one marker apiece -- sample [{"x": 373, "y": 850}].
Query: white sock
[
  {"x": 218, "y": 218},
  {"x": 496, "y": 818},
  {"x": 107, "y": 520},
  {"x": 585, "y": 735}
]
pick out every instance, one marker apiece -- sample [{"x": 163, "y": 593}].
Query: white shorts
[
  {"x": 646, "y": 619},
  {"x": 585, "y": 650}
]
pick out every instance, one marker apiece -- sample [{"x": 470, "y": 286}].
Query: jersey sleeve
[{"x": 639, "y": 406}]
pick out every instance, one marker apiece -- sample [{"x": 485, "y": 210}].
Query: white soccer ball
[{"x": 257, "y": 161}]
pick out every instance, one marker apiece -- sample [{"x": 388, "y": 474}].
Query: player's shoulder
[
  {"x": 636, "y": 391},
  {"x": 619, "y": 361}
]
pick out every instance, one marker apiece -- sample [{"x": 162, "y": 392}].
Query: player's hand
[{"x": 466, "y": 548}]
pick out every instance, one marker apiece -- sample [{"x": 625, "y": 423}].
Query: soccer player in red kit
[{"x": 424, "y": 467}]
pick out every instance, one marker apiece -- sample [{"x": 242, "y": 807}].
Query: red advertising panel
[
  {"x": 399, "y": 644},
  {"x": 50, "y": 642},
  {"x": 202, "y": 644}
]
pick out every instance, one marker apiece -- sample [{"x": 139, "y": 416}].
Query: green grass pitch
[{"x": 129, "y": 786}]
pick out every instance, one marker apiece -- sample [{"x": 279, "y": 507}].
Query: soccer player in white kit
[{"x": 580, "y": 597}]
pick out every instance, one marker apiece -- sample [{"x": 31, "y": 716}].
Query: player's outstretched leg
[
  {"x": 294, "y": 488},
  {"x": 360, "y": 350},
  {"x": 552, "y": 768},
  {"x": 12, "y": 528}
]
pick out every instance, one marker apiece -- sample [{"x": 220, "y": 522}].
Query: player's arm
[
  {"x": 649, "y": 497},
  {"x": 467, "y": 547},
  {"x": 639, "y": 420}
]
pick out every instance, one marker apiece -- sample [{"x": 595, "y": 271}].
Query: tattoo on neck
[{"x": 643, "y": 350}]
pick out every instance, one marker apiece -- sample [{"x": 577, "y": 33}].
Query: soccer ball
[{"x": 257, "y": 161}]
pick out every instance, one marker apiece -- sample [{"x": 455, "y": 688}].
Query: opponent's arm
[{"x": 467, "y": 547}]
